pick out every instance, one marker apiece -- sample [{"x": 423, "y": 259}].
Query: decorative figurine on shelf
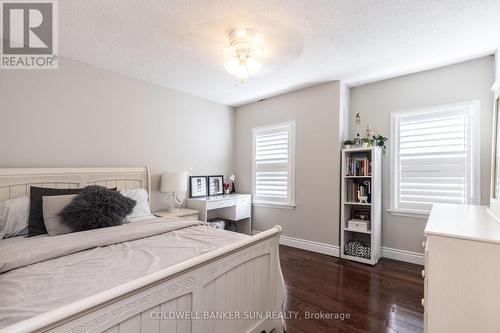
[
  {"x": 362, "y": 198},
  {"x": 357, "y": 140},
  {"x": 369, "y": 132}
]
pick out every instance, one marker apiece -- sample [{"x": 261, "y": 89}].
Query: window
[
  {"x": 434, "y": 157},
  {"x": 273, "y": 165}
]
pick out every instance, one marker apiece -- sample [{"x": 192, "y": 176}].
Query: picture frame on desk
[
  {"x": 198, "y": 186},
  {"x": 215, "y": 185}
]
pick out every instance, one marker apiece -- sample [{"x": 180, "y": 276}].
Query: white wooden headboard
[{"x": 17, "y": 182}]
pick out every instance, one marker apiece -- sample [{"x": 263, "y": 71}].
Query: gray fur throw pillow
[{"x": 96, "y": 207}]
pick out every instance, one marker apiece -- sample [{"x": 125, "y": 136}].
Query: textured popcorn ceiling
[{"x": 178, "y": 44}]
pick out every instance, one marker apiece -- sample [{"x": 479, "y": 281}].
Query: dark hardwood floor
[{"x": 381, "y": 298}]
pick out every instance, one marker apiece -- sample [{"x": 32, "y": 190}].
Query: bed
[{"x": 155, "y": 275}]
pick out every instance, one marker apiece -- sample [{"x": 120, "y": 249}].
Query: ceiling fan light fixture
[{"x": 242, "y": 53}]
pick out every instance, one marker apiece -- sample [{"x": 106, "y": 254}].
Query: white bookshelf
[{"x": 373, "y": 236}]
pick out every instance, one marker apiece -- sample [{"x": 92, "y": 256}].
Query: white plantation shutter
[
  {"x": 273, "y": 164},
  {"x": 434, "y": 157}
]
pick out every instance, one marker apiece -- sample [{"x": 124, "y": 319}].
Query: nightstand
[{"x": 183, "y": 213}]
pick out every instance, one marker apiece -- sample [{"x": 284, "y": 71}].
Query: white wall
[
  {"x": 466, "y": 81},
  {"x": 317, "y": 168},
  {"x": 81, "y": 115}
]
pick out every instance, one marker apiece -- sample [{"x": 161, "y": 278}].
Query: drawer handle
[
  {"x": 423, "y": 273},
  {"x": 423, "y": 302},
  {"x": 423, "y": 244}
]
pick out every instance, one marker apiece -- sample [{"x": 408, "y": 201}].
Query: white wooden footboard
[{"x": 236, "y": 289}]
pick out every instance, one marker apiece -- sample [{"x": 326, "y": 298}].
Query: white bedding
[{"x": 43, "y": 273}]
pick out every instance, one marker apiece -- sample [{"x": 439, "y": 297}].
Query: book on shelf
[
  {"x": 358, "y": 165},
  {"x": 356, "y": 189}
]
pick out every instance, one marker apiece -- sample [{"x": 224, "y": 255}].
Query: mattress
[{"x": 42, "y": 273}]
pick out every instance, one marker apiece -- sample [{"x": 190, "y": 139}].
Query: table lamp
[{"x": 174, "y": 182}]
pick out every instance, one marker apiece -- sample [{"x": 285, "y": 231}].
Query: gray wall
[
  {"x": 497, "y": 64},
  {"x": 317, "y": 164},
  {"x": 80, "y": 115},
  {"x": 466, "y": 81},
  {"x": 345, "y": 100}
]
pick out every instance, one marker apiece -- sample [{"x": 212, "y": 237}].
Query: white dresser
[
  {"x": 233, "y": 207},
  {"x": 462, "y": 270}
]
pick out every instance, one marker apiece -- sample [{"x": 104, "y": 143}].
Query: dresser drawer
[
  {"x": 244, "y": 200},
  {"x": 243, "y": 208},
  {"x": 220, "y": 203}
]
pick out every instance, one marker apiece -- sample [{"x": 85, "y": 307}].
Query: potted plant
[
  {"x": 348, "y": 144},
  {"x": 380, "y": 141},
  {"x": 366, "y": 142}
]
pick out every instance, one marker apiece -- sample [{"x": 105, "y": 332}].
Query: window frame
[
  {"x": 474, "y": 160},
  {"x": 290, "y": 203}
]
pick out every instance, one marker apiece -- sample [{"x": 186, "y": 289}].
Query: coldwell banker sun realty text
[{"x": 29, "y": 34}]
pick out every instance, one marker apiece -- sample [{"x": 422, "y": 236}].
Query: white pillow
[
  {"x": 14, "y": 214},
  {"x": 141, "y": 209},
  {"x": 52, "y": 207}
]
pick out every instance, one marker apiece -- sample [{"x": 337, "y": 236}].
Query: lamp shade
[{"x": 173, "y": 182}]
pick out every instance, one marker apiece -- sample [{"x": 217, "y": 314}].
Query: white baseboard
[
  {"x": 334, "y": 250},
  {"x": 402, "y": 255},
  {"x": 331, "y": 250}
]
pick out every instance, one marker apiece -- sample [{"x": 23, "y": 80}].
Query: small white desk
[{"x": 233, "y": 207}]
